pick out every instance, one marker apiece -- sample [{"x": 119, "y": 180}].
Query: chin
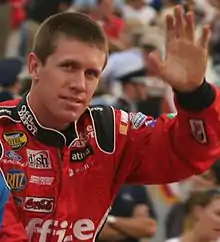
[{"x": 70, "y": 117}]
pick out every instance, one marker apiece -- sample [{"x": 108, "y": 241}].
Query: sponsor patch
[
  {"x": 137, "y": 120},
  {"x": 13, "y": 155},
  {"x": 84, "y": 137},
  {"x": 27, "y": 119},
  {"x": 81, "y": 155},
  {"x": 171, "y": 115},
  {"x": 39, "y": 159},
  {"x": 123, "y": 127},
  {"x": 41, "y": 180},
  {"x": 197, "y": 127},
  {"x": 124, "y": 117},
  {"x": 151, "y": 123},
  {"x": 16, "y": 179},
  {"x": 16, "y": 139},
  {"x": 13, "y": 162},
  {"x": 5, "y": 112},
  {"x": 97, "y": 109},
  {"x": 39, "y": 204}
]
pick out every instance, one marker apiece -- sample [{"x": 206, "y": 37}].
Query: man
[
  {"x": 114, "y": 26},
  {"x": 9, "y": 82},
  {"x": 134, "y": 86},
  {"x": 67, "y": 161},
  {"x": 131, "y": 218}
]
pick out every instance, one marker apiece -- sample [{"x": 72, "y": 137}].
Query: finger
[
  {"x": 155, "y": 61},
  {"x": 190, "y": 26},
  {"x": 206, "y": 34},
  {"x": 170, "y": 33},
  {"x": 179, "y": 22}
]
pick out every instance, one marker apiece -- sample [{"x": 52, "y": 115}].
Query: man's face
[
  {"x": 107, "y": 8},
  {"x": 138, "y": 91},
  {"x": 209, "y": 220},
  {"x": 66, "y": 83}
]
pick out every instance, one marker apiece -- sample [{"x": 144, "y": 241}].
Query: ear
[
  {"x": 197, "y": 212},
  {"x": 33, "y": 66}
]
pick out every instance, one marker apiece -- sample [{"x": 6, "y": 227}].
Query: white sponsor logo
[
  {"x": 198, "y": 130},
  {"x": 81, "y": 155},
  {"x": 39, "y": 159},
  {"x": 80, "y": 170},
  {"x": 124, "y": 117},
  {"x": 84, "y": 136},
  {"x": 27, "y": 119},
  {"x": 39, "y": 204},
  {"x": 82, "y": 229},
  {"x": 97, "y": 109},
  {"x": 13, "y": 162},
  {"x": 41, "y": 180},
  {"x": 137, "y": 119},
  {"x": 5, "y": 111}
]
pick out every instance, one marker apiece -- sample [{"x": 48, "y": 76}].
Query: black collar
[{"x": 45, "y": 135}]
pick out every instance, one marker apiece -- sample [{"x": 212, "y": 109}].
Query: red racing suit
[{"x": 63, "y": 183}]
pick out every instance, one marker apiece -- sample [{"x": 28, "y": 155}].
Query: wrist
[{"x": 198, "y": 99}]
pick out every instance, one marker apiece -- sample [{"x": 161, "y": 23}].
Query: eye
[
  {"x": 68, "y": 67},
  {"x": 92, "y": 74}
]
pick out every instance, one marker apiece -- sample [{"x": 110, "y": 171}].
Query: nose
[{"x": 77, "y": 81}]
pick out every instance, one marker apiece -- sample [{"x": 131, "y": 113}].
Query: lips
[{"x": 73, "y": 99}]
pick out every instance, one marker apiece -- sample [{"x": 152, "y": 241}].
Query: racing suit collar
[{"x": 43, "y": 134}]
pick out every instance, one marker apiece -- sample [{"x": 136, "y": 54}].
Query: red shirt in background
[
  {"x": 17, "y": 12},
  {"x": 112, "y": 26}
]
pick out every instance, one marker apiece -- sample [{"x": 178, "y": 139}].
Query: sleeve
[
  {"x": 11, "y": 229},
  {"x": 174, "y": 146}
]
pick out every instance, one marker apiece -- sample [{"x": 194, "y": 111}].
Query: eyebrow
[{"x": 78, "y": 65}]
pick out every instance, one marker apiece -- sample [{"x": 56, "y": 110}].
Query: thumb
[{"x": 155, "y": 61}]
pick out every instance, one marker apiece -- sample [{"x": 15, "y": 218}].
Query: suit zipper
[{"x": 61, "y": 170}]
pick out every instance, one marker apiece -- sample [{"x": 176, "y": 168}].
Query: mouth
[{"x": 72, "y": 100}]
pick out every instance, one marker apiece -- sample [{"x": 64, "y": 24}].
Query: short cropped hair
[{"x": 71, "y": 25}]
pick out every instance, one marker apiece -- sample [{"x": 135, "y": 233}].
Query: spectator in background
[
  {"x": 202, "y": 217},
  {"x": 114, "y": 26},
  {"x": 37, "y": 12},
  {"x": 208, "y": 180},
  {"x": 168, "y": 6},
  {"x": 5, "y": 28},
  {"x": 138, "y": 11},
  {"x": 134, "y": 89},
  {"x": 9, "y": 82},
  {"x": 151, "y": 41},
  {"x": 132, "y": 216}
]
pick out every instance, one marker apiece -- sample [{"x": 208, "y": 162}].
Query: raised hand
[{"x": 185, "y": 63}]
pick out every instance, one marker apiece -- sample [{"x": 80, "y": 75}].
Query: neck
[{"x": 44, "y": 117}]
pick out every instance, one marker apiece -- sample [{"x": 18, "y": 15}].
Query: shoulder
[
  {"x": 104, "y": 122},
  {"x": 8, "y": 110}
]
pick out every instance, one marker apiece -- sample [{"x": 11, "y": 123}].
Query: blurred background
[{"x": 134, "y": 28}]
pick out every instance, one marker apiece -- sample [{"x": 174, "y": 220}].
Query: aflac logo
[{"x": 83, "y": 229}]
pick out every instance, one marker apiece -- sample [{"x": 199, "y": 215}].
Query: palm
[{"x": 185, "y": 64}]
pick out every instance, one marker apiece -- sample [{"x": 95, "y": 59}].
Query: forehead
[{"x": 86, "y": 54}]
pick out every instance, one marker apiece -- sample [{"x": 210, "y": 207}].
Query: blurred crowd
[{"x": 188, "y": 211}]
